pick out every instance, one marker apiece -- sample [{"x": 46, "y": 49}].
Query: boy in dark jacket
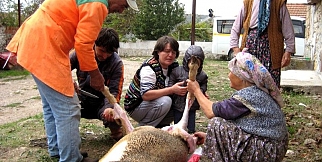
[{"x": 180, "y": 74}]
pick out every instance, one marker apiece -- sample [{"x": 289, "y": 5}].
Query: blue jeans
[{"x": 62, "y": 118}]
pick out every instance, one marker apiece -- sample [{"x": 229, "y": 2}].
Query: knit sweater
[
  {"x": 266, "y": 118},
  {"x": 133, "y": 97}
]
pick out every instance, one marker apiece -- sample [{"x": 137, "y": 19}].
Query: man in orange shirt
[{"x": 42, "y": 46}]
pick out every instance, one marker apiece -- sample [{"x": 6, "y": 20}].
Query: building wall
[
  {"x": 313, "y": 46},
  {"x": 2, "y": 38}
]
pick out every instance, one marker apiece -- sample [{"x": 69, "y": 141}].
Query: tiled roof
[{"x": 297, "y": 9}]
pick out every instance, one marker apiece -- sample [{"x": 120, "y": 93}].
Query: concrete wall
[
  {"x": 313, "y": 47},
  {"x": 145, "y": 48}
]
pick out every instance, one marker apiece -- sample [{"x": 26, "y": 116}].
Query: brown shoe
[
  {"x": 88, "y": 159},
  {"x": 116, "y": 134}
]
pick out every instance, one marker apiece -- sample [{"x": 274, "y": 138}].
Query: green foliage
[
  {"x": 203, "y": 32},
  {"x": 157, "y": 18},
  {"x": 121, "y": 23},
  {"x": 9, "y": 11},
  {"x": 13, "y": 73}
]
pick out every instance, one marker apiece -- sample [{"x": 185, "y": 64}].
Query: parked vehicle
[
  {"x": 299, "y": 31},
  {"x": 221, "y": 35},
  {"x": 7, "y": 61}
]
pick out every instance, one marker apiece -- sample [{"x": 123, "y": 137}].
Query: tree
[
  {"x": 157, "y": 18},
  {"x": 122, "y": 24},
  {"x": 203, "y": 32},
  {"x": 9, "y": 11}
]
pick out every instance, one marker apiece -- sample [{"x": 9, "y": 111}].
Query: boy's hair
[
  {"x": 162, "y": 42},
  {"x": 108, "y": 39}
]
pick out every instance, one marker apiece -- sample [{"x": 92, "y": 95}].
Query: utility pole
[
  {"x": 193, "y": 25},
  {"x": 19, "y": 14}
]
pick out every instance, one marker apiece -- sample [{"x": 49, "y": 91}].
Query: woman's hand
[
  {"x": 201, "y": 137},
  {"x": 286, "y": 59},
  {"x": 236, "y": 50},
  {"x": 192, "y": 86},
  {"x": 180, "y": 89}
]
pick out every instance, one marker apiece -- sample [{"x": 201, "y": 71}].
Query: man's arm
[
  {"x": 115, "y": 84},
  {"x": 91, "y": 18},
  {"x": 73, "y": 60}
]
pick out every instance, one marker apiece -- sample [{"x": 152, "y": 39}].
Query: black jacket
[
  {"x": 181, "y": 73},
  {"x": 112, "y": 70}
]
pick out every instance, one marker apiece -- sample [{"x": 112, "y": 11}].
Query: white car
[
  {"x": 221, "y": 35},
  {"x": 299, "y": 31}
]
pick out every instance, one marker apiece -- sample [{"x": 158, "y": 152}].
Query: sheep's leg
[
  {"x": 121, "y": 117},
  {"x": 119, "y": 114},
  {"x": 193, "y": 69},
  {"x": 179, "y": 129},
  {"x": 183, "y": 123}
]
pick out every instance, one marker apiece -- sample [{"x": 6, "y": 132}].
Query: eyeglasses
[{"x": 170, "y": 51}]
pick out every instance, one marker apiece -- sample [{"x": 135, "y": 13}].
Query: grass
[
  {"x": 13, "y": 104},
  {"x": 24, "y": 140},
  {"x": 14, "y": 74}
]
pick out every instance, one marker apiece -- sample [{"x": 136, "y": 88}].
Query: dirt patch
[{"x": 20, "y": 97}]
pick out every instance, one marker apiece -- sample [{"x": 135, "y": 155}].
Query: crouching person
[
  {"x": 147, "y": 99},
  {"x": 112, "y": 69}
]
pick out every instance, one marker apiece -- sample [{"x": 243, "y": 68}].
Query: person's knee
[{"x": 166, "y": 102}]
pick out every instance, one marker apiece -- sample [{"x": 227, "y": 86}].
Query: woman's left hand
[
  {"x": 180, "y": 89},
  {"x": 286, "y": 59}
]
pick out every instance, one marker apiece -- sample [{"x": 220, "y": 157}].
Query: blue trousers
[{"x": 62, "y": 118}]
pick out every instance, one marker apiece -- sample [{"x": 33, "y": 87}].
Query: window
[
  {"x": 224, "y": 26},
  {"x": 299, "y": 28}
]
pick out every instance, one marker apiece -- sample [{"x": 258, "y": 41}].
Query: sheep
[{"x": 146, "y": 143}]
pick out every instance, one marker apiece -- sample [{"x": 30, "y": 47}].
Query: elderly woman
[
  {"x": 147, "y": 99},
  {"x": 250, "y": 125}
]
